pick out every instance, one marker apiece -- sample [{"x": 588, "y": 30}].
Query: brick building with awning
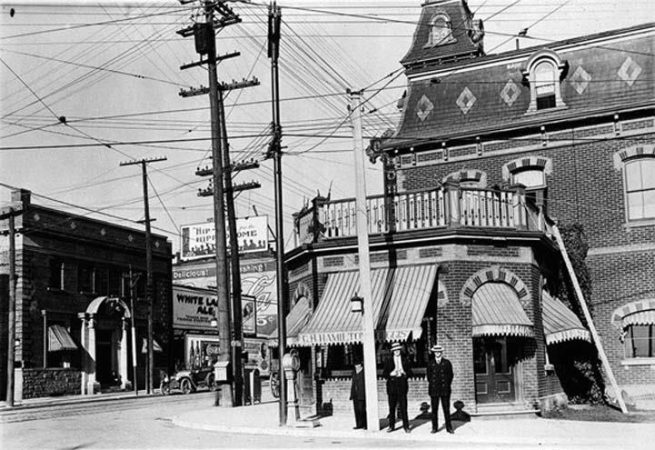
[{"x": 488, "y": 150}]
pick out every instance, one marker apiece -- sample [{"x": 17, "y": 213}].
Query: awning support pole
[{"x": 590, "y": 322}]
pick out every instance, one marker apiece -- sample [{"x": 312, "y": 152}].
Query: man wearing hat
[
  {"x": 397, "y": 371},
  {"x": 358, "y": 394},
  {"x": 440, "y": 377}
]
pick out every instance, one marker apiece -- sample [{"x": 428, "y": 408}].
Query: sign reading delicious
[
  {"x": 193, "y": 308},
  {"x": 199, "y": 240}
]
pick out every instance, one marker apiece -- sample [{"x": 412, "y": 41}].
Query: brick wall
[{"x": 615, "y": 277}]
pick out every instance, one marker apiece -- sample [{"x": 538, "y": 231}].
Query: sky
[{"x": 86, "y": 85}]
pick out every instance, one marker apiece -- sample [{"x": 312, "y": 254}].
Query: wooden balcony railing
[{"x": 447, "y": 207}]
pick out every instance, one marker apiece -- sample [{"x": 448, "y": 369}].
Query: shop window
[
  {"x": 57, "y": 274},
  {"x": 640, "y": 189},
  {"x": 543, "y": 73},
  {"x": 639, "y": 341}
]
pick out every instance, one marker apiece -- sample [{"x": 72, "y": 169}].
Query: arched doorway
[{"x": 105, "y": 345}]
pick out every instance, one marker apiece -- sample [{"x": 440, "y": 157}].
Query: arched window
[
  {"x": 545, "y": 76},
  {"x": 543, "y": 72},
  {"x": 640, "y": 188},
  {"x": 440, "y": 31}
]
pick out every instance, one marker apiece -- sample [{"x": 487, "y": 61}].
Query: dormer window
[
  {"x": 441, "y": 32},
  {"x": 545, "y": 76},
  {"x": 543, "y": 73}
]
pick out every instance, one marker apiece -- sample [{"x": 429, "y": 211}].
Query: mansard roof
[
  {"x": 465, "y": 40},
  {"x": 604, "y": 73}
]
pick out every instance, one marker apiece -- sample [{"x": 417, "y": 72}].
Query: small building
[{"x": 81, "y": 320}]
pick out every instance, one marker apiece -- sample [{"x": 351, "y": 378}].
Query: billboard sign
[
  {"x": 199, "y": 240},
  {"x": 193, "y": 309}
]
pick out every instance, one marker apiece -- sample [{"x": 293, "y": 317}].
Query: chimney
[{"x": 21, "y": 195}]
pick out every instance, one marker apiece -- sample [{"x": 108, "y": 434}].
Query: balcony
[{"x": 447, "y": 207}]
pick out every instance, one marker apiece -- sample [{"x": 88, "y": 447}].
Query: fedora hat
[
  {"x": 396, "y": 346},
  {"x": 436, "y": 348}
]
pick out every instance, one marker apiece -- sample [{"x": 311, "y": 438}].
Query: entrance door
[
  {"x": 103, "y": 357},
  {"x": 494, "y": 380}
]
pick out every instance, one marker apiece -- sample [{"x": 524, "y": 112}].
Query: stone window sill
[{"x": 638, "y": 362}]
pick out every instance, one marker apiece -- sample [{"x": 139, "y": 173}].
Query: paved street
[
  {"x": 155, "y": 422},
  {"x": 146, "y": 423}
]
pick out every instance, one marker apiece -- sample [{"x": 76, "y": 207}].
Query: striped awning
[
  {"x": 296, "y": 320},
  {"x": 640, "y": 318},
  {"x": 560, "y": 323},
  {"x": 59, "y": 339},
  {"x": 400, "y": 296},
  {"x": 498, "y": 312}
]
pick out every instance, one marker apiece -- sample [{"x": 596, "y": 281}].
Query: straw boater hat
[
  {"x": 436, "y": 348},
  {"x": 396, "y": 346}
]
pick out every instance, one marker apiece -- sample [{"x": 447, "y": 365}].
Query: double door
[{"x": 494, "y": 375}]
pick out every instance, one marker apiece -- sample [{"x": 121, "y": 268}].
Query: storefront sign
[{"x": 199, "y": 240}]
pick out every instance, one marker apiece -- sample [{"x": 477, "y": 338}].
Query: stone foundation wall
[{"x": 51, "y": 382}]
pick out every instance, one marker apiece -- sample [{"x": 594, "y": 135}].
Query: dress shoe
[
  {"x": 451, "y": 431},
  {"x": 390, "y": 429},
  {"x": 434, "y": 430},
  {"x": 407, "y": 430}
]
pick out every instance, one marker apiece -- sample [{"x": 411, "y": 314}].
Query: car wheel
[
  {"x": 165, "y": 388},
  {"x": 185, "y": 386}
]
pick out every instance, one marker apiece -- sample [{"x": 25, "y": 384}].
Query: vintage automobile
[{"x": 188, "y": 381}]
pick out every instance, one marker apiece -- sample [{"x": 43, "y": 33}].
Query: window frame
[
  {"x": 530, "y": 75},
  {"x": 627, "y": 192},
  {"x": 448, "y": 37},
  {"x": 629, "y": 349}
]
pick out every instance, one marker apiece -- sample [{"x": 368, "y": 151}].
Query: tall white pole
[{"x": 368, "y": 339}]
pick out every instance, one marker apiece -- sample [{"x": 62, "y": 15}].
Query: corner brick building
[
  {"x": 73, "y": 308},
  {"x": 490, "y": 153}
]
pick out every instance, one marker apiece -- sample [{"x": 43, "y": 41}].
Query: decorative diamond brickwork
[
  {"x": 423, "y": 108},
  {"x": 580, "y": 80},
  {"x": 510, "y": 92},
  {"x": 466, "y": 100},
  {"x": 629, "y": 71}
]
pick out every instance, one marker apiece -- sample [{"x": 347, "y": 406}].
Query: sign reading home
[
  {"x": 199, "y": 240},
  {"x": 193, "y": 309}
]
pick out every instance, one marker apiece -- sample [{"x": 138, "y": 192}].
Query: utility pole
[
  {"x": 230, "y": 335},
  {"x": 133, "y": 282},
  {"x": 275, "y": 151},
  {"x": 368, "y": 338},
  {"x": 149, "y": 279},
  {"x": 11, "y": 316}
]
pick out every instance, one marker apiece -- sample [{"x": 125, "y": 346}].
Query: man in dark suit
[
  {"x": 440, "y": 377},
  {"x": 397, "y": 371},
  {"x": 358, "y": 395}
]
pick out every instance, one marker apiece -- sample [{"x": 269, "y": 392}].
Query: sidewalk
[{"x": 264, "y": 419}]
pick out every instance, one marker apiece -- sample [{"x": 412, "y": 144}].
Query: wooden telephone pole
[
  {"x": 230, "y": 334},
  {"x": 10, "y": 215},
  {"x": 275, "y": 152},
  {"x": 149, "y": 280}
]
